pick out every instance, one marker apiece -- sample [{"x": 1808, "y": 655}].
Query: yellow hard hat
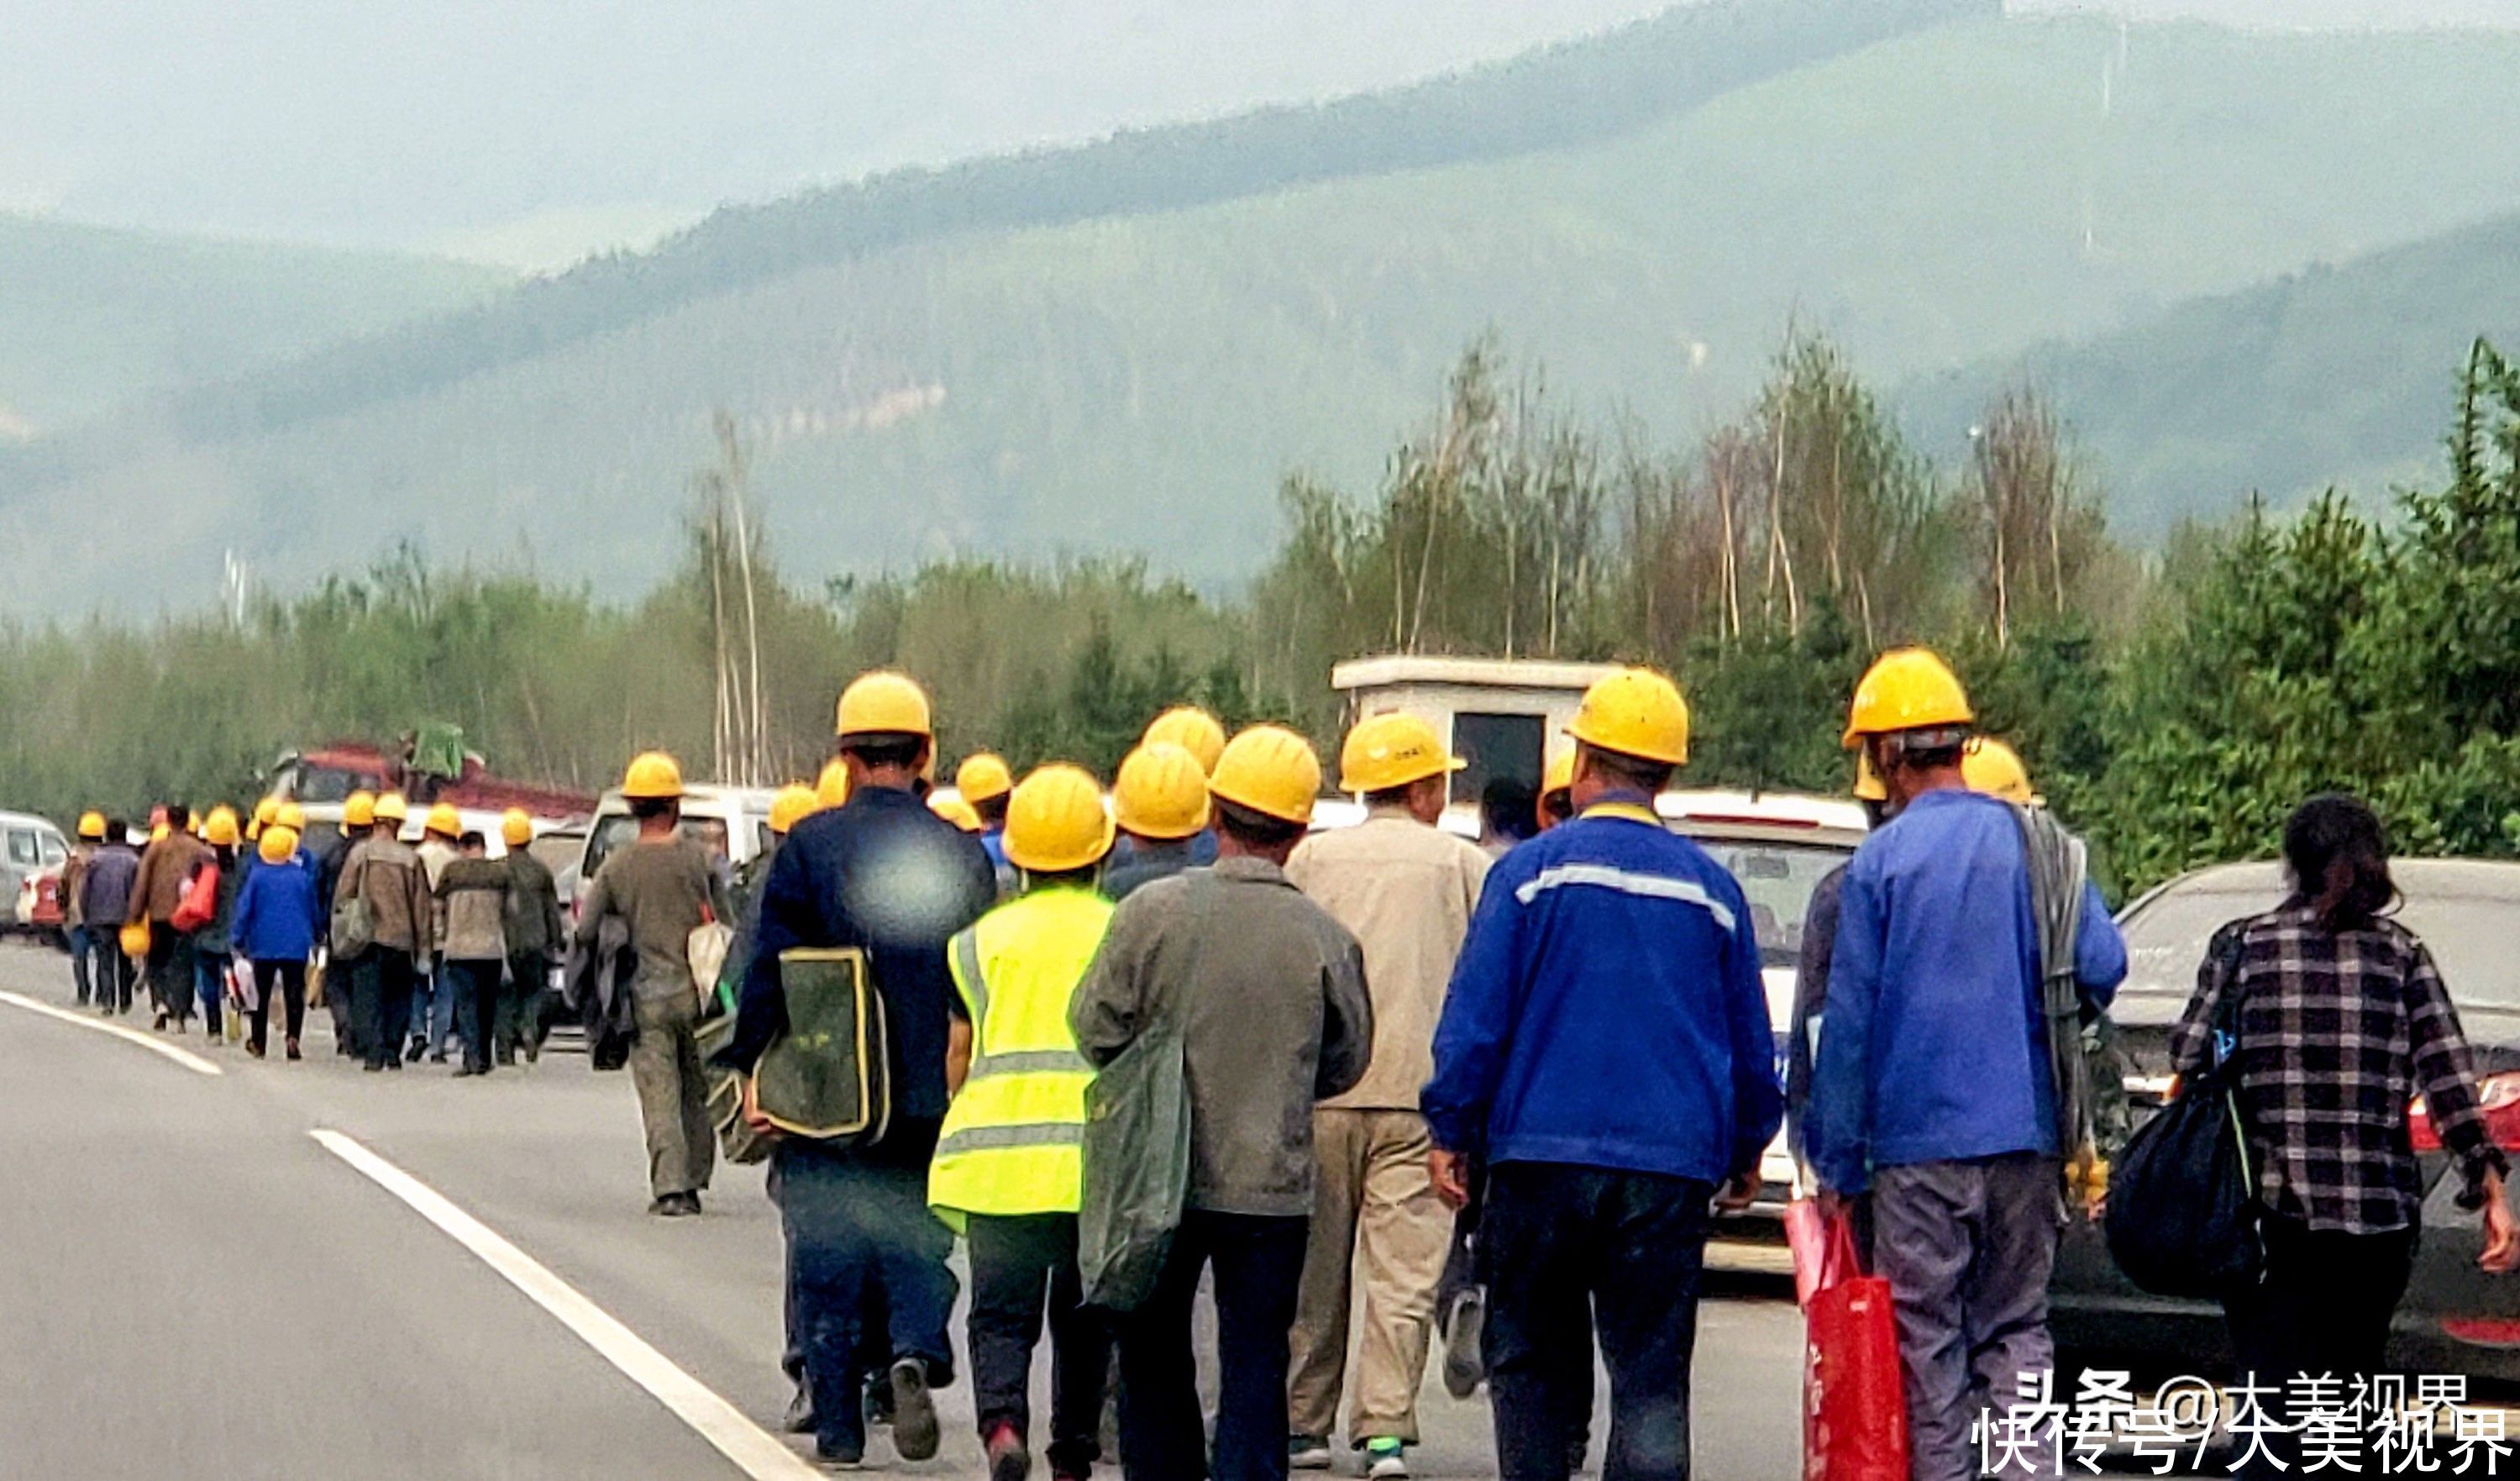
[
  {"x": 291, "y": 817},
  {"x": 795, "y": 802},
  {"x": 1392, "y": 750},
  {"x": 444, "y": 820},
  {"x": 1161, "y": 792},
  {"x": 359, "y": 810},
  {"x": 278, "y": 843},
  {"x": 267, "y": 811},
  {"x": 516, "y": 828},
  {"x": 983, "y": 778},
  {"x": 1194, "y": 730},
  {"x": 1559, "y": 775},
  {"x": 1867, "y": 782},
  {"x": 1993, "y": 768},
  {"x": 1270, "y": 770},
  {"x": 135, "y": 940},
  {"x": 391, "y": 808},
  {"x": 219, "y": 830},
  {"x": 1056, "y": 820},
  {"x": 956, "y": 811},
  {"x": 831, "y": 787},
  {"x": 653, "y": 777},
  {"x": 1635, "y": 712},
  {"x": 1906, "y": 689},
  {"x": 884, "y": 702},
  {"x": 91, "y": 825}
]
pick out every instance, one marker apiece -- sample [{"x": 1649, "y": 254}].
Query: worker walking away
[
  {"x": 1267, "y": 995},
  {"x": 91, "y": 833},
  {"x": 1159, "y": 799},
  {"x": 166, "y": 865},
  {"x": 663, "y": 886},
  {"x": 433, "y": 1001},
  {"x": 1605, "y": 1042},
  {"x": 278, "y": 921},
  {"x": 1007, "y": 1163},
  {"x": 332, "y": 850},
  {"x": 213, "y": 943},
  {"x": 535, "y": 935},
  {"x": 472, "y": 953},
  {"x": 1932, "y": 1089},
  {"x": 984, "y": 783},
  {"x": 392, "y": 932},
  {"x": 105, "y": 890},
  {"x": 1203, "y": 735},
  {"x": 1405, "y": 889},
  {"x": 882, "y": 875}
]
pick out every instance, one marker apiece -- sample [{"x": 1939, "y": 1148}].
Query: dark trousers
[
  {"x": 2324, "y": 1308},
  {"x": 338, "y": 996},
  {"x": 476, "y": 986},
  {"x": 380, "y": 981},
  {"x": 856, "y": 1230},
  {"x": 81, "y": 948},
  {"x": 1553, "y": 1237},
  {"x": 1017, "y": 1264},
  {"x": 521, "y": 1006},
  {"x": 210, "y": 985},
  {"x": 171, "y": 972},
  {"x": 108, "y": 970},
  {"x": 1461, "y": 1279},
  {"x": 287, "y": 980},
  {"x": 1259, "y": 1262}
]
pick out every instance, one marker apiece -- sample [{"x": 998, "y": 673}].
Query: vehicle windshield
[
  {"x": 1779, "y": 878},
  {"x": 2469, "y": 935}
]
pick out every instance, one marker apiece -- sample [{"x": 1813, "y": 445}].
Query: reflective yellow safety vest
[{"x": 1009, "y": 1142}]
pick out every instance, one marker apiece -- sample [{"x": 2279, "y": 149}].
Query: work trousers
[
  {"x": 1376, "y": 1222},
  {"x": 380, "y": 980},
  {"x": 1462, "y": 1281},
  {"x": 476, "y": 986},
  {"x": 171, "y": 972},
  {"x": 673, "y": 1095},
  {"x": 860, "y": 1236},
  {"x": 529, "y": 980},
  {"x": 109, "y": 971},
  {"x": 286, "y": 980},
  {"x": 433, "y": 1008},
  {"x": 2323, "y": 1309},
  {"x": 1258, "y": 1263},
  {"x": 78, "y": 938},
  {"x": 1017, "y": 1264},
  {"x": 1553, "y": 1237},
  {"x": 210, "y": 986},
  {"x": 1966, "y": 1247},
  {"x": 339, "y": 1001}
]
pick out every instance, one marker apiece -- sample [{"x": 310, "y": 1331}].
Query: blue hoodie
[
  {"x": 277, "y": 918},
  {"x": 1606, "y": 1010}
]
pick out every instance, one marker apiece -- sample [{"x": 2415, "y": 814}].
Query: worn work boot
[
  {"x": 1009, "y": 1458},
  {"x": 913, "y": 1411}
]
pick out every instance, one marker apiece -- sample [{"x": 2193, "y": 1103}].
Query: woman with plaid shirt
[{"x": 2337, "y": 1018}]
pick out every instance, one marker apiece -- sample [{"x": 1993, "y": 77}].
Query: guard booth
[{"x": 1503, "y": 716}]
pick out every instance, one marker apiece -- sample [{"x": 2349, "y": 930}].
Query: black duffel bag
[{"x": 2183, "y": 1213}]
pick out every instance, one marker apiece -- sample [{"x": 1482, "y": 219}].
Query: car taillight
[
  {"x": 2483, "y": 1331},
  {"x": 2497, "y": 1096}
]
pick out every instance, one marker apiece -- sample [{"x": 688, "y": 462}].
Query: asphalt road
[{"x": 194, "y": 1285}]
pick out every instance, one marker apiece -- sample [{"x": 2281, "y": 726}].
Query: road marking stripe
[
  {"x": 754, "y": 1451},
  {"x": 150, "y": 1042}
]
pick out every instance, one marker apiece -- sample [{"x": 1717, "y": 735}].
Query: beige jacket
[{"x": 1406, "y": 892}]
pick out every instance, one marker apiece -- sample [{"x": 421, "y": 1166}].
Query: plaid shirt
[{"x": 2337, "y": 1030}]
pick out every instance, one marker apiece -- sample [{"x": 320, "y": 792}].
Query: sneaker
[
  {"x": 1009, "y": 1458},
  {"x": 1464, "y": 1365},
  {"x": 840, "y": 1456},
  {"x": 1385, "y": 1460},
  {"x": 913, "y": 1411},
  {"x": 1308, "y": 1453}
]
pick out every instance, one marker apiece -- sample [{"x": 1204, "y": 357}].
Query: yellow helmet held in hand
[
  {"x": 1194, "y": 730},
  {"x": 1056, "y": 820},
  {"x": 1635, "y": 712},
  {"x": 1907, "y": 689},
  {"x": 359, "y": 810},
  {"x": 793, "y": 804},
  {"x": 884, "y": 703},
  {"x": 831, "y": 787},
  {"x": 956, "y": 811},
  {"x": 391, "y": 808},
  {"x": 279, "y": 844},
  {"x": 653, "y": 777},
  {"x": 1161, "y": 792},
  {"x": 1270, "y": 770},
  {"x": 1993, "y": 768},
  {"x": 444, "y": 821},
  {"x": 134, "y": 939},
  {"x": 91, "y": 825},
  {"x": 1387, "y": 751},
  {"x": 983, "y": 778},
  {"x": 219, "y": 830},
  {"x": 516, "y": 828}
]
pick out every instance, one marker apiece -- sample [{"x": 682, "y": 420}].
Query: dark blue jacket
[
  {"x": 1606, "y": 1010},
  {"x": 279, "y": 914}
]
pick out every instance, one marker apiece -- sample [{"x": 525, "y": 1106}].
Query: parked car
[
  {"x": 2455, "y": 1318},
  {"x": 39, "y": 912},
  {"x": 29, "y": 846}
]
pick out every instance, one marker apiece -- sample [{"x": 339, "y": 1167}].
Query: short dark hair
[
  {"x": 1505, "y": 808},
  {"x": 1934, "y": 748},
  {"x": 1391, "y": 797},
  {"x": 1558, "y": 804},
  {"x": 117, "y": 830},
  {"x": 178, "y": 816},
  {"x": 879, "y": 748},
  {"x": 2338, "y": 828},
  {"x": 1254, "y": 829},
  {"x": 1631, "y": 771},
  {"x": 994, "y": 811},
  {"x": 472, "y": 840},
  {"x": 645, "y": 808}
]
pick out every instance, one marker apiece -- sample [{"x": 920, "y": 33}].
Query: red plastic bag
[
  {"x": 200, "y": 905},
  {"x": 1855, "y": 1407}
]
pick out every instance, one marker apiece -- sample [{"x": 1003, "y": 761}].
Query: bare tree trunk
[{"x": 1781, "y": 555}]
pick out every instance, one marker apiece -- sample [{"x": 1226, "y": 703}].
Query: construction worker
[
  {"x": 472, "y": 910},
  {"x": 1266, "y": 994},
  {"x": 1405, "y": 889},
  {"x": 332, "y": 850},
  {"x": 166, "y": 865},
  {"x": 105, "y": 891},
  {"x": 1605, "y": 1046},
  {"x": 984, "y": 782},
  {"x": 1990, "y": 766},
  {"x": 1159, "y": 799},
  {"x": 277, "y": 926},
  {"x": 1007, "y": 1163},
  {"x": 433, "y": 1001},
  {"x": 535, "y": 935},
  {"x": 91, "y": 837},
  {"x": 663, "y": 886},
  {"x": 884, "y": 875},
  {"x": 385, "y": 873},
  {"x": 1932, "y": 1091},
  {"x": 1203, "y": 735},
  {"x": 1556, "y": 802},
  {"x": 213, "y": 945}
]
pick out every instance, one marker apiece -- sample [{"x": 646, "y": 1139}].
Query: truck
[{"x": 429, "y": 766}]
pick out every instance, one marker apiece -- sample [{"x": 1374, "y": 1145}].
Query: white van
[{"x": 732, "y": 821}]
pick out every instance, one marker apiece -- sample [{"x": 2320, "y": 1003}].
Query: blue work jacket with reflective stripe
[{"x": 1606, "y": 1010}]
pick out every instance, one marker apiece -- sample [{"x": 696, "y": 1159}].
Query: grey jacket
[{"x": 1269, "y": 993}]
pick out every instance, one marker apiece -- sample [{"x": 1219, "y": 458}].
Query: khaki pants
[
  {"x": 1375, "y": 1221},
  {"x": 673, "y": 1095}
]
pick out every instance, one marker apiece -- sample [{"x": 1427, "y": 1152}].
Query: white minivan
[{"x": 731, "y": 822}]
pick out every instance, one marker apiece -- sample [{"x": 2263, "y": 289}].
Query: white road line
[
  {"x": 150, "y": 1042},
  {"x": 754, "y": 1451}
]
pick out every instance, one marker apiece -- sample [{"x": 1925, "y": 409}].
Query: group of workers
[{"x": 413, "y": 947}]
